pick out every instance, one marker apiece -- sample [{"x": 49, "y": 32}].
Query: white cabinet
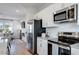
[
  {"x": 45, "y": 47},
  {"x": 41, "y": 46}
]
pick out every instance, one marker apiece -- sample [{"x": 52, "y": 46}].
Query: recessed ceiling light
[{"x": 17, "y": 11}]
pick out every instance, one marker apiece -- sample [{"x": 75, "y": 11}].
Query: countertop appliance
[
  {"x": 67, "y": 38},
  {"x": 68, "y": 14},
  {"x": 34, "y": 29}
]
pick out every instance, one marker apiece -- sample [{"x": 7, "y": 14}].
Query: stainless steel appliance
[
  {"x": 68, "y": 39},
  {"x": 58, "y": 48},
  {"x": 64, "y": 50},
  {"x": 34, "y": 29},
  {"x": 60, "y": 16},
  {"x": 52, "y": 48},
  {"x": 68, "y": 14}
]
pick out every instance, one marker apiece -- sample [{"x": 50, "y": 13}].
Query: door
[
  {"x": 44, "y": 47},
  {"x": 39, "y": 46},
  {"x": 52, "y": 48}
]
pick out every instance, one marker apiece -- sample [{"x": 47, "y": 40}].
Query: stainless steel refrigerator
[{"x": 34, "y": 29}]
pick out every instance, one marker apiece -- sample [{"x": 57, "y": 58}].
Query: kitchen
[
  {"x": 45, "y": 28},
  {"x": 60, "y": 22}
]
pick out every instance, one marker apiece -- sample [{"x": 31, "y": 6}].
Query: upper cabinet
[{"x": 47, "y": 14}]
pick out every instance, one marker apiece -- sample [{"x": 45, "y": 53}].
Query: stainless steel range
[{"x": 68, "y": 39}]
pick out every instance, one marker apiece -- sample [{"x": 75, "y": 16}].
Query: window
[{"x": 5, "y": 26}]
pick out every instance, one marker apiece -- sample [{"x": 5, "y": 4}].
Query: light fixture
[{"x": 17, "y": 11}]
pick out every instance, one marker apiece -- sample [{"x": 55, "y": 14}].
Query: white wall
[
  {"x": 53, "y": 32},
  {"x": 16, "y": 25},
  {"x": 30, "y": 12}
]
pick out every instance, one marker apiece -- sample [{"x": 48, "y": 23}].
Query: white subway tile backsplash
[{"x": 71, "y": 27}]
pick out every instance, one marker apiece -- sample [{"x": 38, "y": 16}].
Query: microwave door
[{"x": 60, "y": 17}]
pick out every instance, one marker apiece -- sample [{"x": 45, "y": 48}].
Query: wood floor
[{"x": 18, "y": 47}]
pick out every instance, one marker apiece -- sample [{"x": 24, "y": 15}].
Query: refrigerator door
[{"x": 30, "y": 36}]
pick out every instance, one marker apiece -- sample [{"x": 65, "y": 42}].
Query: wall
[
  {"x": 64, "y": 27},
  {"x": 16, "y": 25},
  {"x": 29, "y": 16},
  {"x": 72, "y": 27}
]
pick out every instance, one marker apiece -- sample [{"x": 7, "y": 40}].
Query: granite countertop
[
  {"x": 54, "y": 40},
  {"x": 48, "y": 38}
]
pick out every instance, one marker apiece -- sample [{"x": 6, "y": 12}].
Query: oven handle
[{"x": 60, "y": 45}]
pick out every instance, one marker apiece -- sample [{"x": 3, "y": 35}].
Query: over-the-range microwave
[{"x": 68, "y": 14}]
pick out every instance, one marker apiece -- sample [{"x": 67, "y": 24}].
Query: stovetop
[
  {"x": 66, "y": 43},
  {"x": 68, "y": 40}
]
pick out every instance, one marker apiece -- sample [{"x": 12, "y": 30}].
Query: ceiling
[{"x": 20, "y": 10}]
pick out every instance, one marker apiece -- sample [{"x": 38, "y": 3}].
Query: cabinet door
[
  {"x": 44, "y": 47},
  {"x": 39, "y": 46}
]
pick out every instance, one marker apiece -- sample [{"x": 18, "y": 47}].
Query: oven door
[
  {"x": 52, "y": 48},
  {"x": 62, "y": 50}
]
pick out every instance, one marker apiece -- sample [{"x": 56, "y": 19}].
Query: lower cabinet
[{"x": 42, "y": 46}]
